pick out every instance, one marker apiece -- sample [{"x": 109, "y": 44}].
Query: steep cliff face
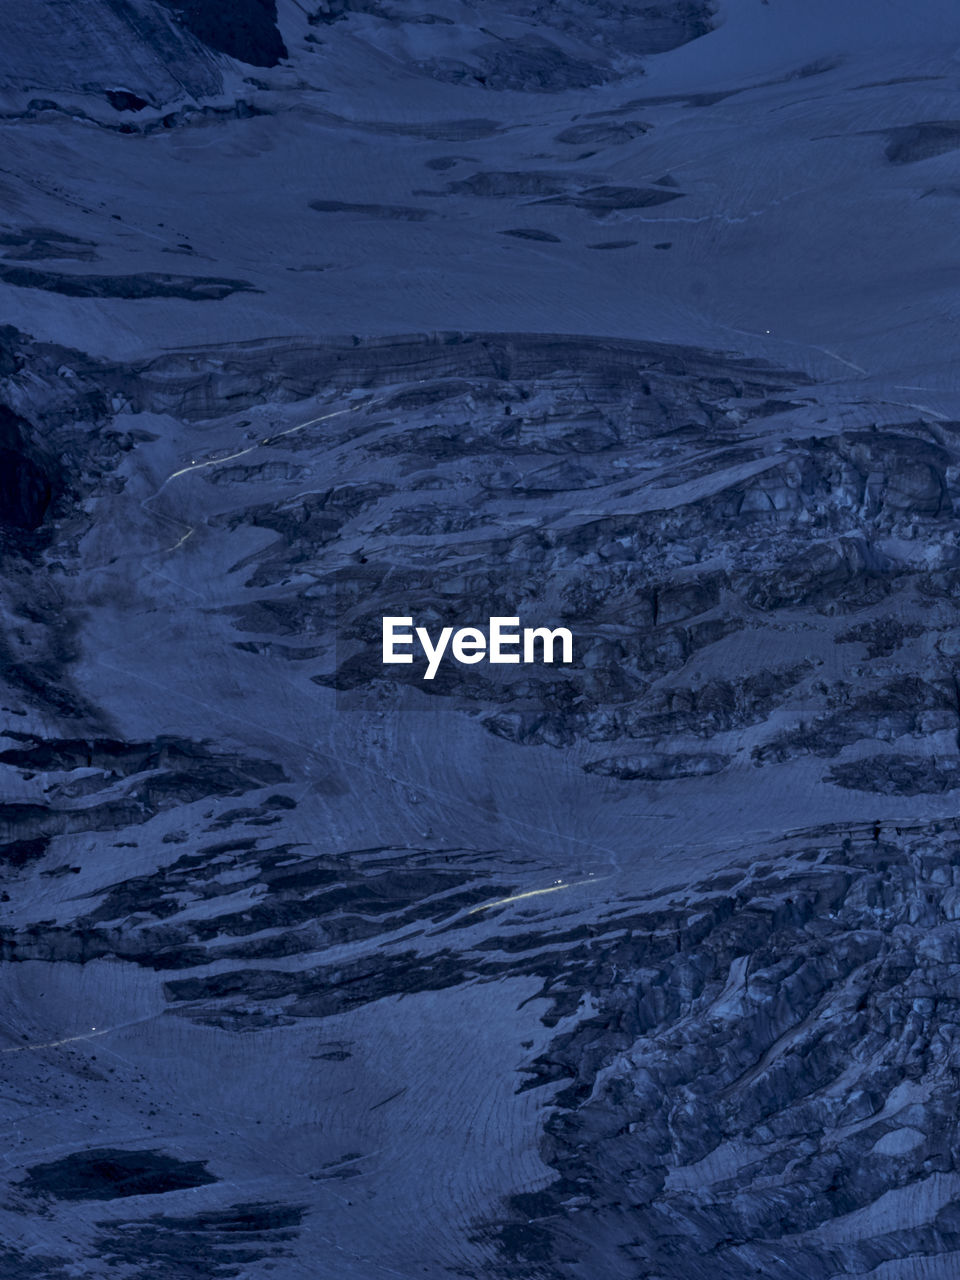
[
  {"x": 246, "y": 31},
  {"x": 634, "y": 320},
  {"x": 25, "y": 485}
]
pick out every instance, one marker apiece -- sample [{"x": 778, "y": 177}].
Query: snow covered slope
[{"x": 635, "y": 319}]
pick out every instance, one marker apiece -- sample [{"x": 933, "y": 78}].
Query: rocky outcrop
[
  {"x": 26, "y": 483},
  {"x": 530, "y": 47},
  {"x": 108, "y": 1175},
  {"x": 248, "y": 33},
  {"x": 766, "y": 1082}
]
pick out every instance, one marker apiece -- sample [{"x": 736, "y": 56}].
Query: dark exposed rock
[
  {"x": 124, "y": 100},
  {"x": 246, "y": 31},
  {"x": 534, "y": 65},
  {"x": 605, "y": 199},
  {"x": 26, "y": 486},
  {"x": 658, "y": 766},
  {"x": 142, "y": 285},
  {"x": 103, "y": 785},
  {"x": 898, "y": 775},
  {"x": 602, "y": 135},
  {"x": 302, "y": 902},
  {"x": 881, "y": 636},
  {"x": 531, "y": 233},
  {"x": 913, "y": 142},
  {"x": 35, "y": 1266},
  {"x": 32, "y": 243},
  {"x": 201, "y": 384},
  {"x": 222, "y": 1243},
  {"x": 109, "y": 1174},
  {"x": 400, "y": 213},
  {"x": 501, "y": 185},
  {"x": 17, "y": 853}
]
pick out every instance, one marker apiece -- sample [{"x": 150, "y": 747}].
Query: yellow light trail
[
  {"x": 534, "y": 893},
  {"x": 242, "y": 453},
  {"x": 177, "y": 545},
  {"x": 92, "y": 1034},
  {"x": 54, "y": 1044}
]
